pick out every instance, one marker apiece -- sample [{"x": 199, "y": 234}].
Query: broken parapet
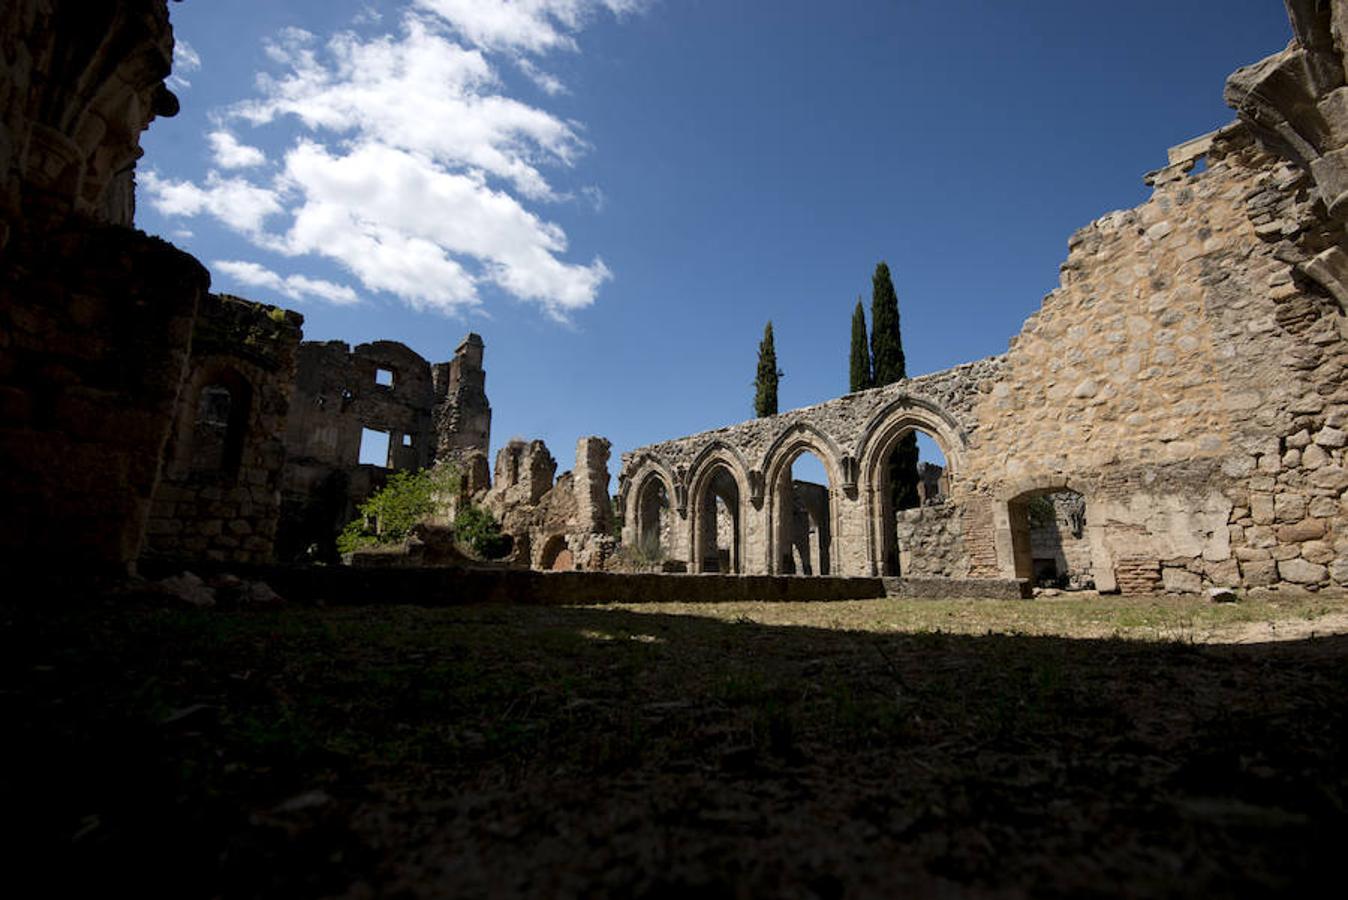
[
  {"x": 594, "y": 509},
  {"x": 565, "y": 524}
]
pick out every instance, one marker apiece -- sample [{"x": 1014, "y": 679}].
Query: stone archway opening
[
  {"x": 719, "y": 533},
  {"x": 556, "y": 556},
  {"x": 804, "y": 520},
  {"x": 1049, "y": 540},
  {"x": 913, "y": 487},
  {"x": 654, "y": 519}
]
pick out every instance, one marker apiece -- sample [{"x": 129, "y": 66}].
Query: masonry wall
[
  {"x": 557, "y": 524},
  {"x": 219, "y": 495},
  {"x": 1187, "y": 379},
  {"x": 95, "y": 318}
]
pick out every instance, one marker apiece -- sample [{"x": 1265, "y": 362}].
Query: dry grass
[
  {"x": 859, "y": 749},
  {"x": 1085, "y": 615}
]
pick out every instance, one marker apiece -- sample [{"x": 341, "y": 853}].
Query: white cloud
[
  {"x": 351, "y": 199},
  {"x": 230, "y": 154},
  {"x": 240, "y": 204},
  {"x": 295, "y": 287},
  {"x": 415, "y": 167},
  {"x": 422, "y": 93},
  {"x": 547, "y": 82},
  {"x": 185, "y": 59},
  {"x": 526, "y": 26}
]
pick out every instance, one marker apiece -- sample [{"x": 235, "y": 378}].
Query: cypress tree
[
  {"x": 886, "y": 341},
  {"x": 889, "y": 366},
  {"x": 765, "y": 384},
  {"x": 861, "y": 353}
]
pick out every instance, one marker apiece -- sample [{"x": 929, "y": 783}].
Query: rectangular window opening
[
  {"x": 383, "y": 377},
  {"x": 407, "y": 440},
  {"x": 373, "y": 448}
]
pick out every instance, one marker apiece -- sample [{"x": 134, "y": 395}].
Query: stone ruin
[
  {"x": 142, "y": 416},
  {"x": 1181, "y": 396}
]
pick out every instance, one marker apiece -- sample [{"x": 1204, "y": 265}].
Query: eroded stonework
[
  {"x": 1186, "y": 380},
  {"x": 556, "y": 525}
]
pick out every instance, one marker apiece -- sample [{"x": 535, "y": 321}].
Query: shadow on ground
[{"x": 560, "y": 751}]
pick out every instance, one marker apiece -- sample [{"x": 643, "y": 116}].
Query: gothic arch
[
  {"x": 877, "y": 442},
  {"x": 645, "y": 467},
  {"x": 794, "y": 441},
  {"x": 715, "y": 458}
]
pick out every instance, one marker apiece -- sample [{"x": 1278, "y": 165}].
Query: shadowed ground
[{"x": 840, "y": 749}]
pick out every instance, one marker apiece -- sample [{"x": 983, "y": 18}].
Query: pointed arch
[
  {"x": 878, "y": 440},
  {"x": 794, "y": 441},
  {"x": 714, "y": 465}
]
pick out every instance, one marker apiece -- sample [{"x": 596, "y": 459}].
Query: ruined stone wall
[
  {"x": 852, "y": 435},
  {"x": 382, "y": 386},
  {"x": 1186, "y": 378},
  {"x": 931, "y": 541},
  {"x": 556, "y": 525},
  {"x": 1164, "y": 377},
  {"x": 219, "y": 496},
  {"x": 95, "y": 318},
  {"x": 462, "y": 412}
]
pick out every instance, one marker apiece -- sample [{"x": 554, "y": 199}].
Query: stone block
[
  {"x": 1314, "y": 457},
  {"x": 1226, "y": 573},
  {"x": 1331, "y": 438},
  {"x": 1322, "y": 507},
  {"x": 1317, "y": 552},
  {"x": 1180, "y": 581},
  {"x": 1330, "y": 478},
  {"x": 1259, "y": 573},
  {"x": 1262, "y": 508},
  {"x": 1300, "y": 440},
  {"x": 1289, "y": 507},
  {"x": 1306, "y": 530},
  {"x": 1300, "y": 571},
  {"x": 1338, "y": 571}
]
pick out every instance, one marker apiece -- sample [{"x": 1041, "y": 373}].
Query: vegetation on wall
[{"x": 389, "y": 514}]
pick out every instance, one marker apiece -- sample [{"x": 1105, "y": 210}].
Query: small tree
[
  {"x": 860, "y": 376},
  {"x": 477, "y": 529},
  {"x": 765, "y": 384},
  {"x": 890, "y": 366},
  {"x": 407, "y": 499}
]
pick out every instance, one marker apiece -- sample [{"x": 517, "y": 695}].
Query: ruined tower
[{"x": 462, "y": 413}]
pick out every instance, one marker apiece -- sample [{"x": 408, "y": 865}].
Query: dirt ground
[{"x": 1064, "y": 746}]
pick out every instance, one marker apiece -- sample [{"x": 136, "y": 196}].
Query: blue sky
[{"x": 618, "y": 194}]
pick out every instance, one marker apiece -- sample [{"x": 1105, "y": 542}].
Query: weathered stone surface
[
  {"x": 221, "y": 478},
  {"x": 1299, "y": 571},
  {"x": 1309, "y": 530},
  {"x": 1181, "y": 581}
]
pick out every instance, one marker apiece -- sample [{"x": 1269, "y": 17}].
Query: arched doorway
[
  {"x": 653, "y": 518},
  {"x": 801, "y": 514},
  {"x": 911, "y": 475},
  {"x": 897, "y": 443},
  {"x": 556, "y": 556},
  {"x": 717, "y": 522}
]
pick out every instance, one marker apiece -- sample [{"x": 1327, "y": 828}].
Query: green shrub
[
  {"x": 475, "y": 528},
  {"x": 389, "y": 514}
]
